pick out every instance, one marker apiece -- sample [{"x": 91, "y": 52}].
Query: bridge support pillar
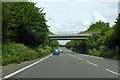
[{"x": 86, "y": 50}]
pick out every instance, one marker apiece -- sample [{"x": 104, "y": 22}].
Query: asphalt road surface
[{"x": 69, "y": 65}]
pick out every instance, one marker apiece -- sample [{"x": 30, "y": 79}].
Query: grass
[{"x": 17, "y": 53}]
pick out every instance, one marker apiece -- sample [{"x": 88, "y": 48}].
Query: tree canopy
[{"x": 25, "y": 23}]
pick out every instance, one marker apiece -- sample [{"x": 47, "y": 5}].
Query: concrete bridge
[
  {"x": 68, "y": 36},
  {"x": 72, "y": 37}
]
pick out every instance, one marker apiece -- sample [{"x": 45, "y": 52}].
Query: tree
[
  {"x": 96, "y": 27},
  {"x": 112, "y": 37},
  {"x": 90, "y": 42},
  {"x": 54, "y": 43},
  {"x": 26, "y": 23},
  {"x": 117, "y": 30}
]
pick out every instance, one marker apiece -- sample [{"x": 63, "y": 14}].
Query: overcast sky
[{"x": 72, "y": 17}]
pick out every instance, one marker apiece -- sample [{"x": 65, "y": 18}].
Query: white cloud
[
  {"x": 86, "y": 23},
  {"x": 98, "y": 17}
]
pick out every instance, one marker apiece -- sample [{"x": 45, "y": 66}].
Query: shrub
[
  {"x": 17, "y": 53},
  {"x": 110, "y": 54},
  {"x": 94, "y": 52}
]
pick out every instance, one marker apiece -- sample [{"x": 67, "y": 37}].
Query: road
[{"x": 69, "y": 65}]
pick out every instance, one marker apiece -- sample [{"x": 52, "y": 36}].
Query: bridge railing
[{"x": 67, "y": 32}]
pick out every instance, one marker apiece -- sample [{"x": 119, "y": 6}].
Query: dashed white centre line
[
  {"x": 74, "y": 56},
  {"x": 112, "y": 72},
  {"x": 80, "y": 58},
  {"x": 97, "y": 65},
  {"x": 91, "y": 63},
  {"x": 70, "y": 54},
  {"x": 92, "y": 56}
]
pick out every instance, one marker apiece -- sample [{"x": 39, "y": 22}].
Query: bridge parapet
[{"x": 68, "y": 36}]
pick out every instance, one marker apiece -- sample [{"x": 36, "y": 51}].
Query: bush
[
  {"x": 104, "y": 52},
  {"x": 17, "y": 53},
  {"x": 110, "y": 54},
  {"x": 94, "y": 52},
  {"x": 72, "y": 48}
]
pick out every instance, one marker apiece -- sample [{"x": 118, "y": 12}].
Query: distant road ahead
[{"x": 71, "y": 65}]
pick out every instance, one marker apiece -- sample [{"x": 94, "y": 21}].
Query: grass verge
[{"x": 17, "y": 53}]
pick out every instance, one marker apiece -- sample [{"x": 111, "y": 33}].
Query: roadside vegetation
[
  {"x": 24, "y": 33},
  {"x": 107, "y": 45}
]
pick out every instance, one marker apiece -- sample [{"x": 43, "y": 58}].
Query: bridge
[
  {"x": 68, "y": 36},
  {"x": 72, "y": 37}
]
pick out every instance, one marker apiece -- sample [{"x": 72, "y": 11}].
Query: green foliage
[
  {"x": 17, "y": 53},
  {"x": 96, "y": 27},
  {"x": 24, "y": 23},
  {"x": 105, "y": 46},
  {"x": 117, "y": 31},
  {"x": 104, "y": 52},
  {"x": 107, "y": 52},
  {"x": 109, "y": 40},
  {"x": 5, "y": 21},
  {"x": 94, "y": 52},
  {"x": 113, "y": 36},
  {"x": 90, "y": 42},
  {"x": 76, "y": 45},
  {"x": 43, "y": 52},
  {"x": 60, "y": 45},
  {"x": 54, "y": 44},
  {"x": 110, "y": 37}
]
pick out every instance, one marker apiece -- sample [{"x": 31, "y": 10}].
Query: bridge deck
[{"x": 68, "y": 36}]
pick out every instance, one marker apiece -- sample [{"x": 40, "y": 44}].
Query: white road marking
[
  {"x": 92, "y": 56},
  {"x": 74, "y": 56},
  {"x": 91, "y": 63},
  {"x": 70, "y": 54},
  {"x": 97, "y": 57},
  {"x": 80, "y": 58},
  {"x": 12, "y": 74},
  {"x": 112, "y": 72}
]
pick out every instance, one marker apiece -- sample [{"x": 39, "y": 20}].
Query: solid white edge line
[
  {"x": 91, "y": 63},
  {"x": 113, "y": 72},
  {"x": 93, "y": 56},
  {"x": 97, "y": 57},
  {"x": 12, "y": 74}
]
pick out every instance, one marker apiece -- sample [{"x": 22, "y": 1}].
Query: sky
[{"x": 71, "y": 17}]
